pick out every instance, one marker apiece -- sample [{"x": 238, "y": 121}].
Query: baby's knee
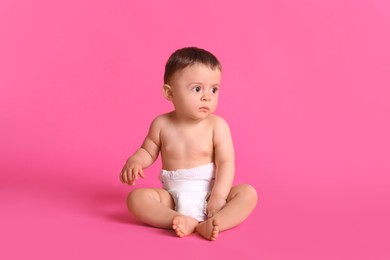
[
  {"x": 135, "y": 198},
  {"x": 249, "y": 192}
]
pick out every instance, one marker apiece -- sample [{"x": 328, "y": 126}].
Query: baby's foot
[
  {"x": 209, "y": 229},
  {"x": 184, "y": 225}
]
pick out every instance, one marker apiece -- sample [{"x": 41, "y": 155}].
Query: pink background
[{"x": 306, "y": 90}]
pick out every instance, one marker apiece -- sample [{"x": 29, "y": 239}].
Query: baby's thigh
[
  {"x": 165, "y": 197},
  {"x": 145, "y": 195}
]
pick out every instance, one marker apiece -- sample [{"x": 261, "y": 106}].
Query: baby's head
[
  {"x": 191, "y": 82},
  {"x": 189, "y": 56}
]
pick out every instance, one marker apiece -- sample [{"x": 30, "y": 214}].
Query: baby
[{"x": 197, "y": 156}]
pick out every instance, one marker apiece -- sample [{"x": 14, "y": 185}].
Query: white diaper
[{"x": 190, "y": 189}]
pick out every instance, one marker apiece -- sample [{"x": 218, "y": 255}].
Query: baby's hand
[
  {"x": 214, "y": 205},
  {"x": 130, "y": 173}
]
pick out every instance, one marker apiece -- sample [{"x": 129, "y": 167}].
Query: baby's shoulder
[
  {"x": 161, "y": 120},
  {"x": 218, "y": 121}
]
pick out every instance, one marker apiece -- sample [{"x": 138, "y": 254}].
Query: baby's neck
[{"x": 183, "y": 120}]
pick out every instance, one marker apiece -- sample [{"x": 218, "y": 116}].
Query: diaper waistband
[
  {"x": 204, "y": 172},
  {"x": 195, "y": 179}
]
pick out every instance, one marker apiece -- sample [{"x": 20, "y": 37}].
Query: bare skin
[
  {"x": 188, "y": 137},
  {"x": 209, "y": 229},
  {"x": 184, "y": 225},
  {"x": 241, "y": 201}
]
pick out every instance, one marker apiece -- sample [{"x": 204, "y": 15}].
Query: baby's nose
[{"x": 206, "y": 97}]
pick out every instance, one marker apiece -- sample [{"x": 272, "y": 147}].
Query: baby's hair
[{"x": 188, "y": 56}]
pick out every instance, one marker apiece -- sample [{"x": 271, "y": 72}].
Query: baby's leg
[
  {"x": 241, "y": 201},
  {"x": 155, "y": 207}
]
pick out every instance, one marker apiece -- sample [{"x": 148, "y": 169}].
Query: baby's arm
[
  {"x": 143, "y": 157},
  {"x": 224, "y": 161}
]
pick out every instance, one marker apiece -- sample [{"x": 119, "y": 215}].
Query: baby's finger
[
  {"x": 211, "y": 212},
  {"x": 141, "y": 173},
  {"x": 133, "y": 177},
  {"x": 130, "y": 179},
  {"x": 121, "y": 177},
  {"x": 135, "y": 174},
  {"x": 124, "y": 176}
]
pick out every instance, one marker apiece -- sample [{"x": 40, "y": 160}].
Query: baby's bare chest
[{"x": 197, "y": 142}]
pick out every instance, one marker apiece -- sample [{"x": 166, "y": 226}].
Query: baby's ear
[{"x": 167, "y": 91}]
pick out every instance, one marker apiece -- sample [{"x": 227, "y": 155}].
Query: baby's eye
[
  {"x": 196, "y": 89},
  {"x": 214, "y": 90}
]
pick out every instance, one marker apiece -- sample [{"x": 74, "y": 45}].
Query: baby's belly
[{"x": 184, "y": 162}]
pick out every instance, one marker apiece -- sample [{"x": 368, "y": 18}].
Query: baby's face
[{"x": 195, "y": 91}]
